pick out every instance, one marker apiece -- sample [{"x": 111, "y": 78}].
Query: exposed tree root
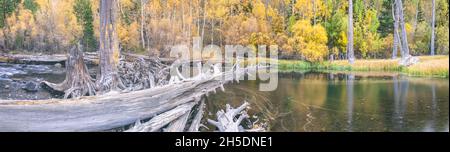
[
  {"x": 227, "y": 121},
  {"x": 78, "y": 82},
  {"x": 136, "y": 73}
]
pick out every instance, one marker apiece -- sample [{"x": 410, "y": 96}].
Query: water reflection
[
  {"x": 350, "y": 98},
  {"x": 314, "y": 101},
  {"x": 400, "y": 99},
  {"x": 432, "y": 121}
]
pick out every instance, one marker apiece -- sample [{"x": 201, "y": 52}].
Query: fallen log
[
  {"x": 34, "y": 59},
  {"x": 108, "y": 111},
  {"x": 157, "y": 122},
  {"x": 196, "y": 122},
  {"x": 90, "y": 58},
  {"x": 180, "y": 124}
]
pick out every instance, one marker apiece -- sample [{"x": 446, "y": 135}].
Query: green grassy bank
[{"x": 433, "y": 66}]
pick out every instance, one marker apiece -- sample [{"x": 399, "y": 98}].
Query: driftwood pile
[
  {"x": 230, "y": 120},
  {"x": 138, "y": 74},
  {"x": 176, "y": 120},
  {"x": 168, "y": 103}
]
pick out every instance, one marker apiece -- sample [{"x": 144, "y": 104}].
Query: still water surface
[{"x": 327, "y": 101}]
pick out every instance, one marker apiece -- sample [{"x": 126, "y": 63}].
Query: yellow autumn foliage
[
  {"x": 309, "y": 41},
  {"x": 129, "y": 35}
]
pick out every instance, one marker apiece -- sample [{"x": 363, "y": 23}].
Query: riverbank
[{"x": 432, "y": 66}]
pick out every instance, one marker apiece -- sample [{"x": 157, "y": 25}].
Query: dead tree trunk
[
  {"x": 78, "y": 82},
  {"x": 179, "y": 124},
  {"x": 195, "y": 125},
  {"x": 108, "y": 78},
  {"x": 407, "y": 59},
  {"x": 396, "y": 44},
  {"x": 350, "y": 53},
  {"x": 157, "y": 122},
  {"x": 404, "y": 37},
  {"x": 433, "y": 22}
]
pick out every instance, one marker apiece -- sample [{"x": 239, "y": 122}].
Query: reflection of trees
[
  {"x": 431, "y": 123},
  {"x": 330, "y": 76},
  {"x": 344, "y": 105},
  {"x": 400, "y": 99},
  {"x": 350, "y": 100}
]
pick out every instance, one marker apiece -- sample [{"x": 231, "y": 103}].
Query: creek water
[{"x": 328, "y": 101}]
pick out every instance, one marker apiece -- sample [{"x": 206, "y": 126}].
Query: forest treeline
[{"x": 313, "y": 30}]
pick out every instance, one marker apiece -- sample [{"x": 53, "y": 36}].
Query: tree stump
[{"x": 78, "y": 82}]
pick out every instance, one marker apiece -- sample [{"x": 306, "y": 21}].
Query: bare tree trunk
[
  {"x": 433, "y": 26},
  {"x": 350, "y": 53},
  {"x": 397, "y": 40},
  {"x": 404, "y": 37},
  {"x": 142, "y": 23},
  {"x": 107, "y": 76}
]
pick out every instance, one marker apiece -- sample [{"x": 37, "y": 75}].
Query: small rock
[
  {"x": 6, "y": 86},
  {"x": 31, "y": 87},
  {"x": 58, "y": 65}
]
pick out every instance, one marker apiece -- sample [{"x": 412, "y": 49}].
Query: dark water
[
  {"x": 14, "y": 77},
  {"x": 315, "y": 101},
  {"x": 311, "y": 101}
]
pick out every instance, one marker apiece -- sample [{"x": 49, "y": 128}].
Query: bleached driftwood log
[
  {"x": 34, "y": 59},
  {"x": 196, "y": 122},
  {"x": 90, "y": 58},
  {"x": 180, "y": 124},
  {"x": 230, "y": 120},
  {"x": 161, "y": 120},
  {"x": 226, "y": 120}
]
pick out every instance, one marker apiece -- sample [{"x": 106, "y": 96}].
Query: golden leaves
[{"x": 309, "y": 41}]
